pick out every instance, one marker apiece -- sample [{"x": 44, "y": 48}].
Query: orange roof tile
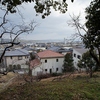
[
  {"x": 49, "y": 54},
  {"x": 34, "y": 63}
]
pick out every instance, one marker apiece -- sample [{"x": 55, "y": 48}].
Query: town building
[
  {"x": 77, "y": 55},
  {"x": 48, "y": 62}
]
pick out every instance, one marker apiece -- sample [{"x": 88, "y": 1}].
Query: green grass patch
[{"x": 67, "y": 89}]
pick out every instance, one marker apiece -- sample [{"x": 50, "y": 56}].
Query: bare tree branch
[
  {"x": 13, "y": 32},
  {"x": 4, "y": 19},
  {"x": 94, "y": 50},
  {"x": 75, "y": 22}
]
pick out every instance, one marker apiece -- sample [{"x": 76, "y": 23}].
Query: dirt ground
[
  {"x": 14, "y": 78},
  {"x": 6, "y": 80}
]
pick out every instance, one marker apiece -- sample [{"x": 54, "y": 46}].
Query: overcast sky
[{"x": 55, "y": 25}]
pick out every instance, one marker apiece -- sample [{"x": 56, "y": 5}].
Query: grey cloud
[{"x": 54, "y": 26}]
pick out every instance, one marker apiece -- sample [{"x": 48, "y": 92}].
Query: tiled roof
[
  {"x": 17, "y": 52},
  {"x": 49, "y": 54},
  {"x": 54, "y": 48},
  {"x": 82, "y": 50},
  {"x": 34, "y": 63},
  {"x": 59, "y": 49}
]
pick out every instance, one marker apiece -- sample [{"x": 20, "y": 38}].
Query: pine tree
[
  {"x": 92, "y": 37},
  {"x": 87, "y": 62},
  {"x": 68, "y": 63}
]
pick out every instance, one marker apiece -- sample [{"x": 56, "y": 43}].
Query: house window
[
  {"x": 74, "y": 55},
  {"x": 26, "y": 56},
  {"x": 45, "y": 70},
  {"x": 78, "y": 56},
  {"x": 20, "y": 58},
  {"x": 45, "y": 61},
  {"x": 50, "y": 71},
  {"x": 56, "y": 69},
  {"x": 11, "y": 57},
  {"x": 56, "y": 60}
]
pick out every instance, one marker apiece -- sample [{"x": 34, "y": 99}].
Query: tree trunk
[
  {"x": 30, "y": 72},
  {"x": 91, "y": 73},
  {"x": 95, "y": 57}
]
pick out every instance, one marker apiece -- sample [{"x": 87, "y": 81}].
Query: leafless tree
[
  {"x": 75, "y": 22},
  {"x": 11, "y": 32},
  {"x": 95, "y": 51}
]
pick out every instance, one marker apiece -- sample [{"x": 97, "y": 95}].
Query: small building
[
  {"x": 17, "y": 57},
  {"x": 35, "y": 66},
  {"x": 50, "y": 62},
  {"x": 77, "y": 55}
]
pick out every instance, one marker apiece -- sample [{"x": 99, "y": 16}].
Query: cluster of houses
[{"x": 47, "y": 60}]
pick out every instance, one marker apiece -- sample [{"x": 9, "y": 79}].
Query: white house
[
  {"x": 18, "y": 56},
  {"x": 35, "y": 66},
  {"x": 50, "y": 62},
  {"x": 77, "y": 55}
]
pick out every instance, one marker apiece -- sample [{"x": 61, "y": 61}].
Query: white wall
[
  {"x": 75, "y": 58},
  {"x": 64, "y": 53},
  {"x": 51, "y": 64},
  {"x": 24, "y": 66},
  {"x": 15, "y": 60},
  {"x": 36, "y": 70}
]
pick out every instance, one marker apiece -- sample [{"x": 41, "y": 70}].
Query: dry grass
[
  {"x": 8, "y": 76},
  {"x": 76, "y": 87},
  {"x": 4, "y": 79},
  {"x": 67, "y": 75}
]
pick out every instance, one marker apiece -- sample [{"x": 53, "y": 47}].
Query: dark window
[
  {"x": 26, "y": 56},
  {"x": 45, "y": 61},
  {"x": 74, "y": 55},
  {"x": 56, "y": 69},
  {"x": 56, "y": 60},
  {"x": 11, "y": 57},
  {"x": 78, "y": 56},
  {"x": 50, "y": 71},
  {"x": 46, "y": 70}
]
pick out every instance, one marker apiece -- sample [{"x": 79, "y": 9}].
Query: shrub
[
  {"x": 56, "y": 74},
  {"x": 19, "y": 66},
  {"x": 42, "y": 76},
  {"x": 10, "y": 68},
  {"x": 14, "y": 67}
]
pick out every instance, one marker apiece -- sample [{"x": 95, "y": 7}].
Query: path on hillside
[
  {"x": 4, "y": 83},
  {"x": 67, "y": 75}
]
